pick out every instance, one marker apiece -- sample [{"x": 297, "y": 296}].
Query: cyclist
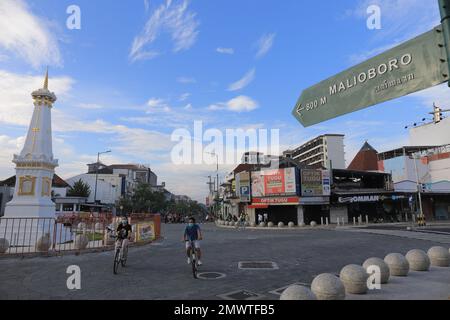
[
  {"x": 193, "y": 234},
  {"x": 124, "y": 231}
]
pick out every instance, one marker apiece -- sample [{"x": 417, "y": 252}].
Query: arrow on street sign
[{"x": 415, "y": 65}]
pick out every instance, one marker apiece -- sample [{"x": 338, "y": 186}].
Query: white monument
[{"x": 35, "y": 165}]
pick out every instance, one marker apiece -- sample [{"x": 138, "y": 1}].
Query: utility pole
[{"x": 418, "y": 187}]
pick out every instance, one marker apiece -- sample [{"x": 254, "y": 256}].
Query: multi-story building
[
  {"x": 325, "y": 151},
  {"x": 115, "y": 180}
]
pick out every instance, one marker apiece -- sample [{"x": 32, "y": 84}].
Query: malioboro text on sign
[{"x": 415, "y": 65}]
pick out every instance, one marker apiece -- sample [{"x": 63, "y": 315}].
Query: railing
[{"x": 28, "y": 236}]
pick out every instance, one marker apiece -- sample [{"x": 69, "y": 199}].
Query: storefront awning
[{"x": 258, "y": 206}]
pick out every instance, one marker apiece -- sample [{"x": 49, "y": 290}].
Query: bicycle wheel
[
  {"x": 116, "y": 260},
  {"x": 124, "y": 257},
  {"x": 194, "y": 266}
]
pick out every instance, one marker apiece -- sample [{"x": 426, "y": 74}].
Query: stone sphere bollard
[
  {"x": 328, "y": 287},
  {"x": 418, "y": 260},
  {"x": 384, "y": 268},
  {"x": 4, "y": 245},
  {"x": 262, "y": 224},
  {"x": 43, "y": 243},
  {"x": 280, "y": 225},
  {"x": 354, "y": 278},
  {"x": 291, "y": 225},
  {"x": 439, "y": 257},
  {"x": 313, "y": 224},
  {"x": 297, "y": 292},
  {"x": 81, "y": 242},
  {"x": 81, "y": 226},
  {"x": 398, "y": 265},
  {"x": 270, "y": 225}
]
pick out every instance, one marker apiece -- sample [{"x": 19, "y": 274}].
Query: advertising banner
[
  {"x": 315, "y": 183},
  {"x": 145, "y": 232},
  {"x": 274, "y": 183}
]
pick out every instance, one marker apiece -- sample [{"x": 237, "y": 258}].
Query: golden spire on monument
[{"x": 44, "y": 94}]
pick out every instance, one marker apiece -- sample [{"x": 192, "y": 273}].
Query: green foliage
[{"x": 79, "y": 189}]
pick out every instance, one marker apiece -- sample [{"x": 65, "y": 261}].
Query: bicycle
[
  {"x": 194, "y": 260},
  {"x": 120, "y": 256}
]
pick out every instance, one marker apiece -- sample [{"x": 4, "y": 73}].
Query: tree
[{"x": 79, "y": 189}]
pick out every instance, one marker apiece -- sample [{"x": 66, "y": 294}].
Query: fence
[{"x": 23, "y": 236}]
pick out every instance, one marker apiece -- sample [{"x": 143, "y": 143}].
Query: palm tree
[{"x": 79, "y": 189}]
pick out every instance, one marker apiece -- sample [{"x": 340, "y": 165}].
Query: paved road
[{"x": 160, "y": 271}]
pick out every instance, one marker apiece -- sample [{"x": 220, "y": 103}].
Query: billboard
[
  {"x": 315, "y": 183},
  {"x": 270, "y": 183},
  {"x": 145, "y": 232}
]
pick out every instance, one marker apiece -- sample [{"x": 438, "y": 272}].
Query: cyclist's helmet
[{"x": 124, "y": 221}]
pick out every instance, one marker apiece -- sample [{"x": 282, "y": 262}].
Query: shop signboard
[
  {"x": 359, "y": 199},
  {"x": 271, "y": 183},
  {"x": 277, "y": 201},
  {"x": 315, "y": 183}
]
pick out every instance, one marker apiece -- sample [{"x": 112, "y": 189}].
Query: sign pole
[{"x": 444, "y": 8}]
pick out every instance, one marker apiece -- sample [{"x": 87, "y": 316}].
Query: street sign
[{"x": 415, "y": 65}]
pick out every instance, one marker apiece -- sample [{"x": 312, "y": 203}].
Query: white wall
[
  {"x": 440, "y": 170},
  {"x": 335, "y": 147},
  {"x": 106, "y": 193},
  {"x": 431, "y": 134}
]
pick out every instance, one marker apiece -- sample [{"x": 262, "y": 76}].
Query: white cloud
[
  {"x": 225, "y": 50},
  {"x": 16, "y": 104},
  {"x": 186, "y": 80},
  {"x": 27, "y": 35},
  {"x": 265, "y": 43},
  {"x": 188, "y": 107},
  {"x": 175, "y": 19},
  {"x": 184, "y": 96},
  {"x": 242, "y": 83},
  {"x": 439, "y": 95},
  {"x": 90, "y": 106},
  {"x": 238, "y": 104}
]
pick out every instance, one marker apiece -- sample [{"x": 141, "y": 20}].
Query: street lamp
[
  {"x": 217, "y": 176},
  {"x": 96, "y": 173}
]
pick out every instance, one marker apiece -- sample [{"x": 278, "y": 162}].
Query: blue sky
[{"x": 137, "y": 70}]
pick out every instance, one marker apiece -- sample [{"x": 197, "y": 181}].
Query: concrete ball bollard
[
  {"x": 328, "y": 287},
  {"x": 262, "y": 224},
  {"x": 270, "y": 225},
  {"x": 81, "y": 242},
  {"x": 291, "y": 225},
  {"x": 313, "y": 224},
  {"x": 398, "y": 265},
  {"x": 81, "y": 226},
  {"x": 384, "y": 268},
  {"x": 299, "y": 293},
  {"x": 439, "y": 257},
  {"x": 280, "y": 225},
  {"x": 354, "y": 278},
  {"x": 418, "y": 260},
  {"x": 43, "y": 243},
  {"x": 4, "y": 245}
]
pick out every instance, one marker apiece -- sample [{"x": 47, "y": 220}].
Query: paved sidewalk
[
  {"x": 434, "y": 237},
  {"x": 432, "y": 285}
]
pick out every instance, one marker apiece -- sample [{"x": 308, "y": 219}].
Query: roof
[
  {"x": 57, "y": 182},
  {"x": 366, "y": 159},
  {"x": 127, "y": 166},
  {"x": 406, "y": 150}
]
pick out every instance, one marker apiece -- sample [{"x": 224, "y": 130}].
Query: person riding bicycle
[
  {"x": 124, "y": 231},
  {"x": 193, "y": 234}
]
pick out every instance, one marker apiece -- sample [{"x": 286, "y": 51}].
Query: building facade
[{"x": 325, "y": 151}]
